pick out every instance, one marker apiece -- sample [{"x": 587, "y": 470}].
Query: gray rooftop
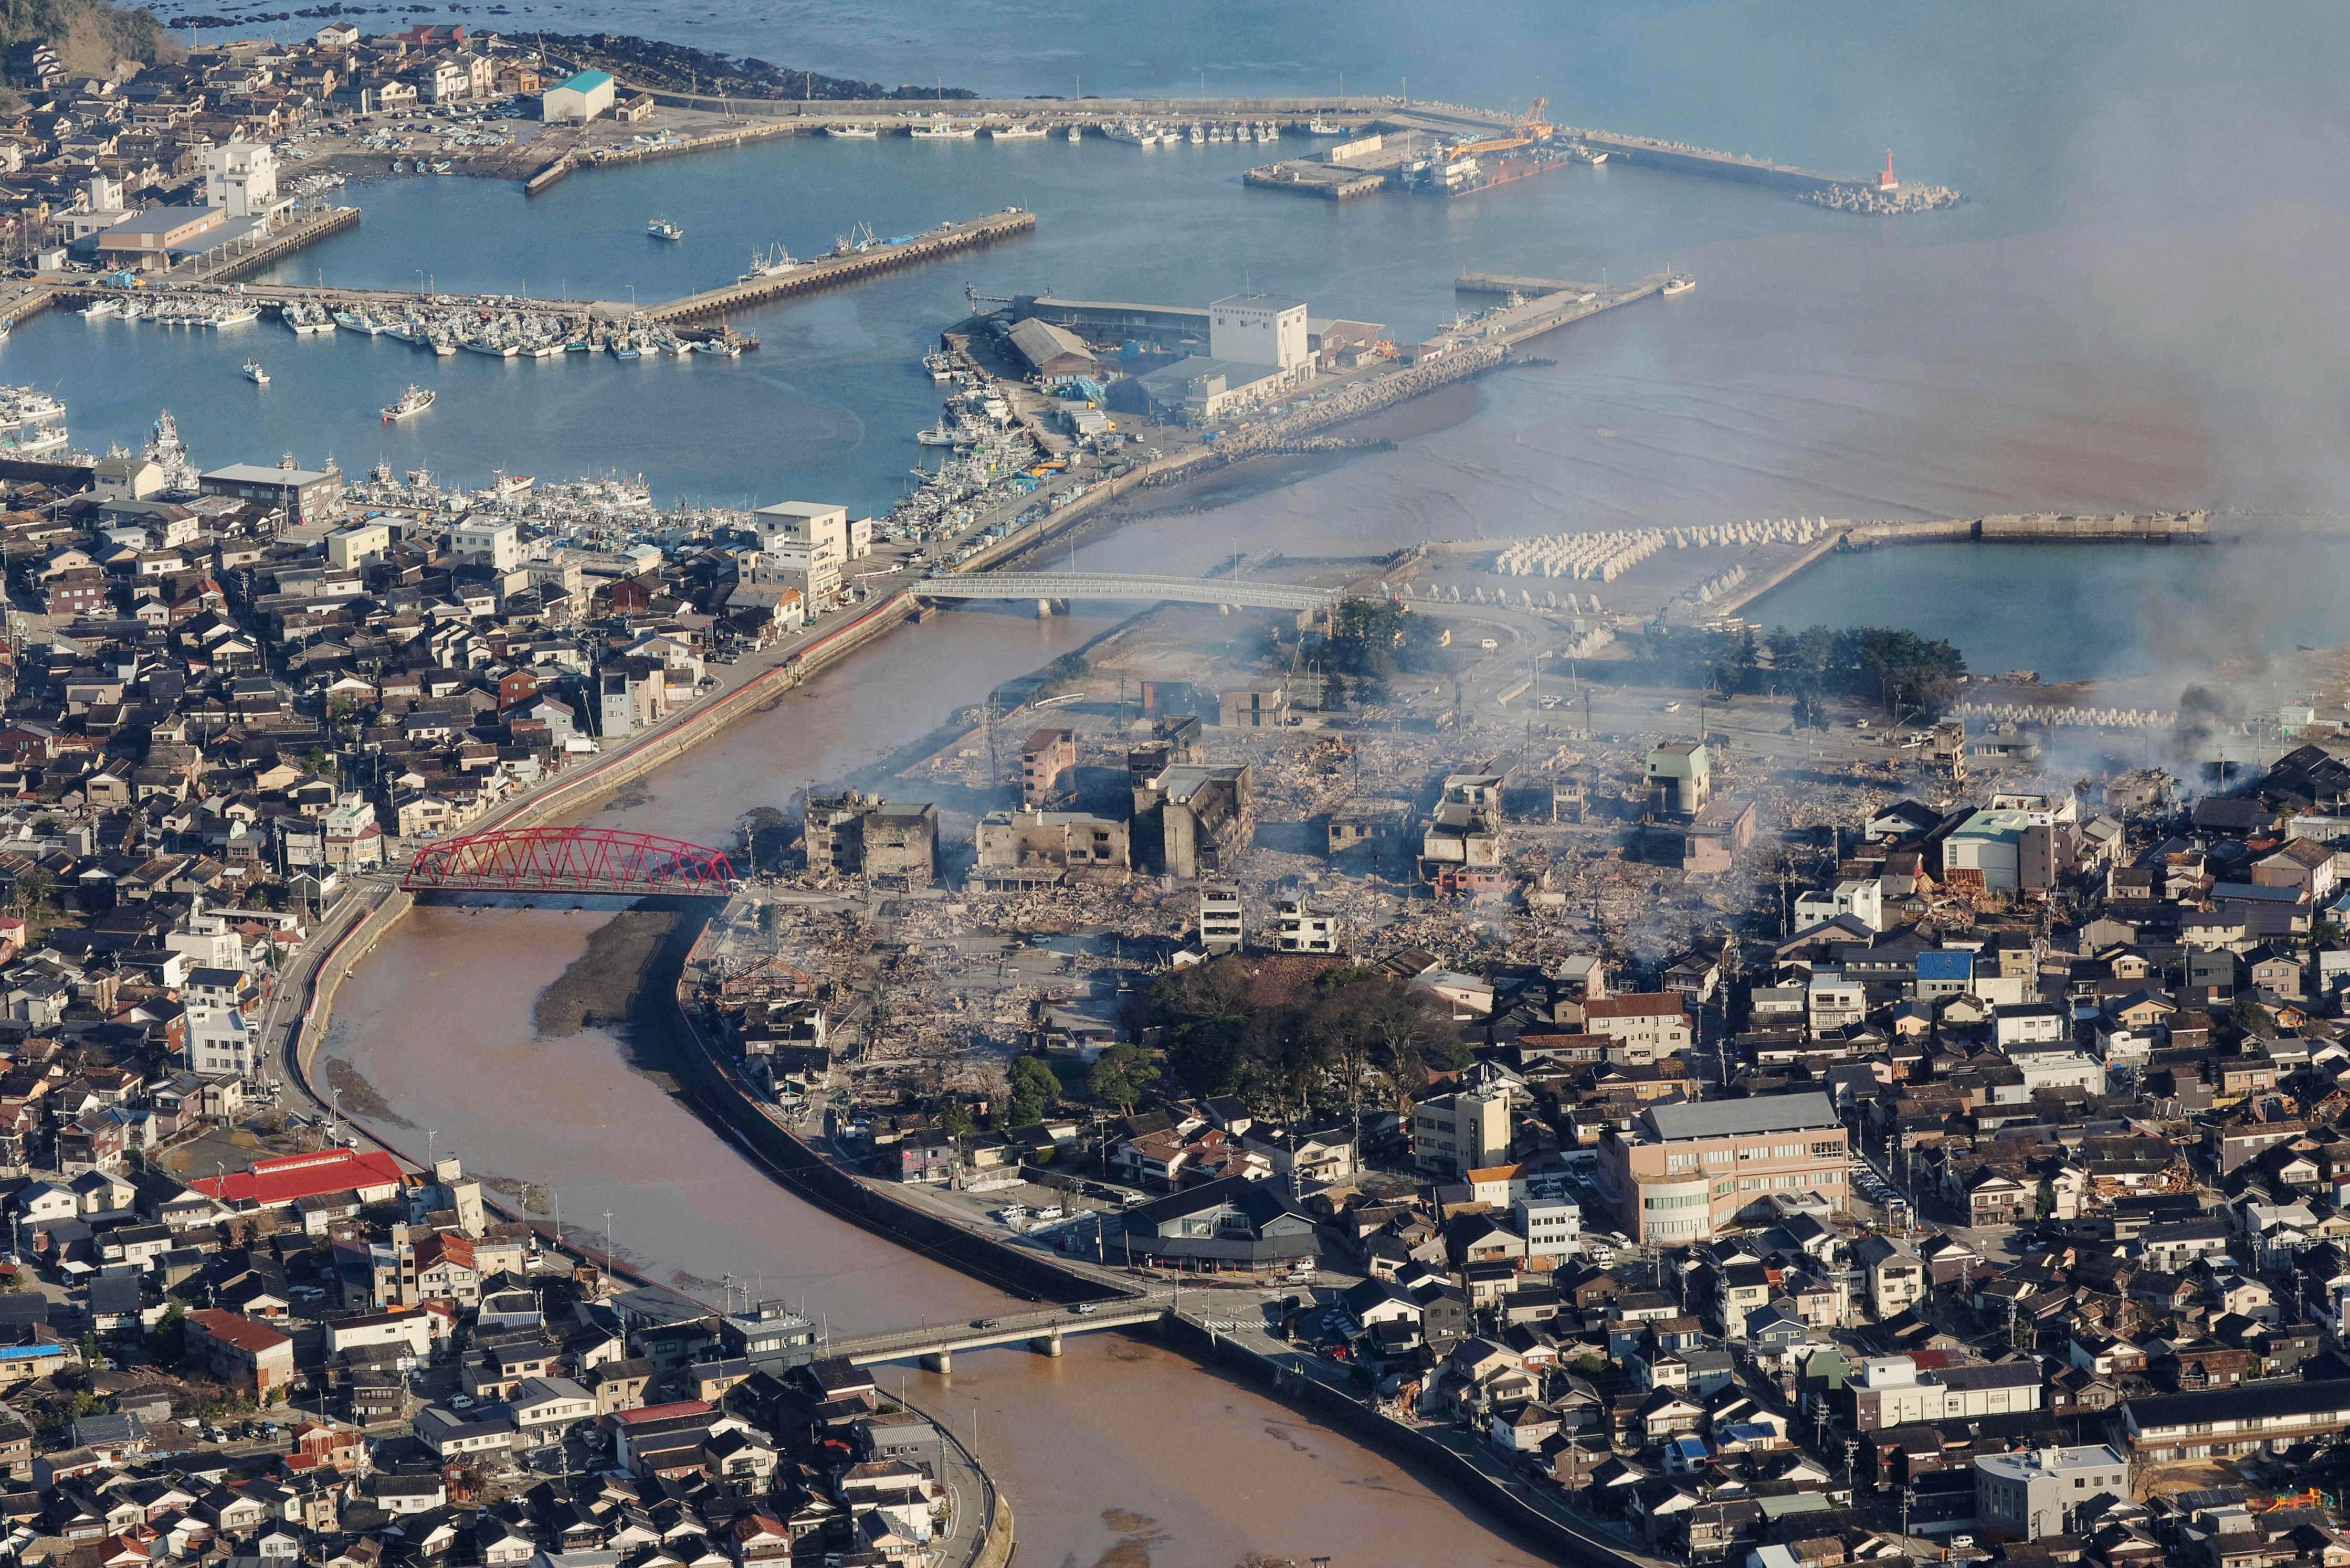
[{"x": 1730, "y": 1118}]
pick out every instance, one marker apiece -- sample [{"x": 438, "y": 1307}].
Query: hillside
[{"x": 90, "y": 36}]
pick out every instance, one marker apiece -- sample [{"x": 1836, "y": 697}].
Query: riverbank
[{"x": 732, "y": 1106}]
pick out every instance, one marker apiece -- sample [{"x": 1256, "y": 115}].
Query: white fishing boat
[
  {"x": 1196, "y": 135},
  {"x": 443, "y": 348},
  {"x": 414, "y": 400},
  {"x": 256, "y": 374},
  {"x": 235, "y": 316},
  {"x": 1076, "y": 133},
  {"x": 944, "y": 129},
  {"x": 662, "y": 229},
  {"x": 100, "y": 309},
  {"x": 771, "y": 262},
  {"x": 939, "y": 434},
  {"x": 1324, "y": 128},
  {"x": 1018, "y": 133},
  {"x": 853, "y": 132},
  {"x": 1678, "y": 283},
  {"x": 495, "y": 347},
  {"x": 1129, "y": 133}
]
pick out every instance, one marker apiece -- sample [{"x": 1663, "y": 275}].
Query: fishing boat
[
  {"x": 1018, "y": 133},
  {"x": 774, "y": 260},
  {"x": 235, "y": 316},
  {"x": 98, "y": 310},
  {"x": 495, "y": 347},
  {"x": 662, "y": 229},
  {"x": 1324, "y": 128},
  {"x": 1129, "y": 133},
  {"x": 853, "y": 132},
  {"x": 944, "y": 129},
  {"x": 940, "y": 367},
  {"x": 1196, "y": 135},
  {"x": 1076, "y": 133},
  {"x": 939, "y": 434},
  {"x": 443, "y": 348},
  {"x": 1678, "y": 283},
  {"x": 256, "y": 374},
  {"x": 627, "y": 352},
  {"x": 725, "y": 346},
  {"x": 414, "y": 400}
]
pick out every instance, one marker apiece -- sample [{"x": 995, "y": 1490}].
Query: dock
[
  {"x": 1512, "y": 325},
  {"x": 275, "y": 248},
  {"x": 840, "y": 271},
  {"x": 1531, "y": 288},
  {"x": 856, "y": 267}
]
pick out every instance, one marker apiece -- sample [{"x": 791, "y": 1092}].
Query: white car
[{"x": 461, "y": 1402}]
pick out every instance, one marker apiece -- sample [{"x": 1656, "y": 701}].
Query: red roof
[
  {"x": 292, "y": 1176},
  {"x": 236, "y": 1328},
  {"x": 662, "y": 1412}
]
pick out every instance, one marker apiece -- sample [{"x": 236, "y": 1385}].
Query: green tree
[
  {"x": 768, "y": 919},
  {"x": 2044, "y": 1204},
  {"x": 1035, "y": 1087},
  {"x": 168, "y": 1341},
  {"x": 1119, "y": 1077},
  {"x": 955, "y": 1122}
]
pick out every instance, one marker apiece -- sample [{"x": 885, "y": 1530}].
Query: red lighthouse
[{"x": 1885, "y": 182}]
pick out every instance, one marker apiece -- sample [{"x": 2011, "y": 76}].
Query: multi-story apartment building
[
  {"x": 1644, "y": 1028},
  {"x": 1453, "y": 1134},
  {"x": 1682, "y": 1172}
]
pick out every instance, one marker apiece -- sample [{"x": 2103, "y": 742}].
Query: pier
[
  {"x": 856, "y": 267},
  {"x": 816, "y": 277}
]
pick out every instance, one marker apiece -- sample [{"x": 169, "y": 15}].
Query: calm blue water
[{"x": 830, "y": 402}]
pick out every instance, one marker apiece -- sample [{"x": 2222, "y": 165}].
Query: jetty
[{"x": 840, "y": 270}]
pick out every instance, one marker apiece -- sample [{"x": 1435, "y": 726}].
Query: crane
[{"x": 1530, "y": 128}]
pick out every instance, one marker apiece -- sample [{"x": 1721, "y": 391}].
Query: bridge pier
[
  {"x": 1049, "y": 1345},
  {"x": 941, "y": 1362},
  {"x": 1043, "y": 609}
]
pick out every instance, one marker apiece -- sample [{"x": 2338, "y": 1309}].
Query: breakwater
[
  {"x": 835, "y": 271},
  {"x": 2009, "y": 528}
]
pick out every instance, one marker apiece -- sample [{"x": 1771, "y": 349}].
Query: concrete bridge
[
  {"x": 934, "y": 1345},
  {"x": 1046, "y": 587}
]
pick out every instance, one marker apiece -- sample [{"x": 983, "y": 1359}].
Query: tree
[
  {"x": 2045, "y": 1203},
  {"x": 1035, "y": 1087},
  {"x": 168, "y": 1341},
  {"x": 1119, "y": 1077},
  {"x": 955, "y": 1121},
  {"x": 768, "y": 919}
]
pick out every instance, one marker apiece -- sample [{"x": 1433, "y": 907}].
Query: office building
[{"x": 1681, "y": 1173}]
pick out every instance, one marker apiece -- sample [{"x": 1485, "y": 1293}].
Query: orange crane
[{"x": 1531, "y": 128}]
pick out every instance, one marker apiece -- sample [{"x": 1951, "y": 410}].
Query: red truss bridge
[{"x": 568, "y": 860}]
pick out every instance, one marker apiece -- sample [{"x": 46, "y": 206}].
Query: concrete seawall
[
  {"x": 730, "y": 1103},
  {"x": 1553, "y": 1536},
  {"x": 2014, "y": 528}
]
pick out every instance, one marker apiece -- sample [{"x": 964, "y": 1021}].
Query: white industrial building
[{"x": 579, "y": 99}]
